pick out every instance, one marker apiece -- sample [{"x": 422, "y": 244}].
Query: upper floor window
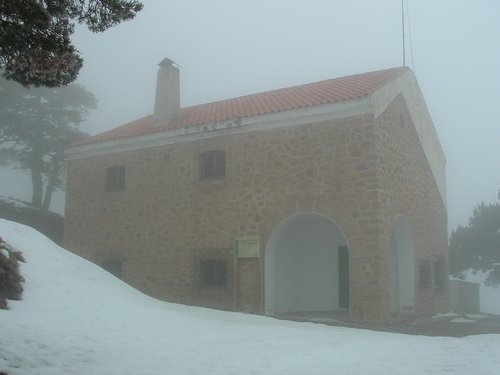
[
  {"x": 213, "y": 165},
  {"x": 115, "y": 178}
]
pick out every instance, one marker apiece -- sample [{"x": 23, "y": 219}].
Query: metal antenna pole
[{"x": 403, "y": 28}]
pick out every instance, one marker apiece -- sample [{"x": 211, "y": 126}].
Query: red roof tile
[{"x": 311, "y": 94}]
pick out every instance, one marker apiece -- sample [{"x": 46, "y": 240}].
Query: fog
[{"x": 226, "y": 48}]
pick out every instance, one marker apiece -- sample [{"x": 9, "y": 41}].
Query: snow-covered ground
[{"x": 77, "y": 319}]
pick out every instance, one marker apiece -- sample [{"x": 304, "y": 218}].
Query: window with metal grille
[
  {"x": 440, "y": 273},
  {"x": 213, "y": 165},
  {"x": 115, "y": 178},
  {"x": 425, "y": 274},
  {"x": 113, "y": 266},
  {"x": 214, "y": 273}
]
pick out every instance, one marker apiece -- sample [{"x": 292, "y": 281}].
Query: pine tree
[
  {"x": 477, "y": 246},
  {"x": 35, "y": 44},
  {"x": 35, "y": 126}
]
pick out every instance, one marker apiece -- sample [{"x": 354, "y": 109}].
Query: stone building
[{"x": 323, "y": 197}]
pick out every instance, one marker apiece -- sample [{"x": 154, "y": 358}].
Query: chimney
[{"x": 167, "y": 101}]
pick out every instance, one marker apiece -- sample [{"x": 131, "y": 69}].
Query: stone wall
[
  {"x": 408, "y": 189},
  {"x": 358, "y": 171}
]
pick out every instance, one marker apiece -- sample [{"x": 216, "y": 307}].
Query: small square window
[
  {"x": 213, "y": 165},
  {"x": 115, "y": 178},
  {"x": 214, "y": 273}
]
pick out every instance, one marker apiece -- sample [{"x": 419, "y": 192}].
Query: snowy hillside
[{"x": 77, "y": 319}]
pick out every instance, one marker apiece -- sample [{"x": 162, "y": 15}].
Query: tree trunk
[
  {"x": 47, "y": 197},
  {"x": 37, "y": 181},
  {"x": 36, "y": 160},
  {"x": 49, "y": 191}
]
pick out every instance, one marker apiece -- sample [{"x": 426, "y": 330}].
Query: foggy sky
[{"x": 228, "y": 48}]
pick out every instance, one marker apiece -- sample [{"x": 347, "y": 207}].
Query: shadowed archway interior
[
  {"x": 402, "y": 270},
  {"x": 306, "y": 266}
]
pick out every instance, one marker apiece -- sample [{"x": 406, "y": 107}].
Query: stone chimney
[{"x": 167, "y": 101}]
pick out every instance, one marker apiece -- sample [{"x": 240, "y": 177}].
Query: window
[
  {"x": 113, "y": 266},
  {"x": 115, "y": 178},
  {"x": 213, "y": 165},
  {"x": 212, "y": 270},
  {"x": 425, "y": 274},
  {"x": 214, "y": 273},
  {"x": 440, "y": 273}
]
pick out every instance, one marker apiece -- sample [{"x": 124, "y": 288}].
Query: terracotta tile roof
[{"x": 312, "y": 94}]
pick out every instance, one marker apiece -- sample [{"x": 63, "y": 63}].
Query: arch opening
[
  {"x": 306, "y": 266},
  {"x": 402, "y": 269}
]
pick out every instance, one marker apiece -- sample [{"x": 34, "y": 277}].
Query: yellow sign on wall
[{"x": 247, "y": 246}]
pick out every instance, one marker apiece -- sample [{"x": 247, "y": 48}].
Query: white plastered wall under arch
[
  {"x": 301, "y": 265},
  {"x": 402, "y": 268}
]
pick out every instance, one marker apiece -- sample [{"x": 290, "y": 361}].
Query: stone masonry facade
[{"x": 360, "y": 171}]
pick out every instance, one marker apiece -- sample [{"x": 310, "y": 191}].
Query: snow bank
[{"x": 77, "y": 319}]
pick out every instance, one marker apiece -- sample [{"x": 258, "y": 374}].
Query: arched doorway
[
  {"x": 402, "y": 269},
  {"x": 306, "y": 266}
]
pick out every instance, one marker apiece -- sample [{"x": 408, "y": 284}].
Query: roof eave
[{"x": 274, "y": 120}]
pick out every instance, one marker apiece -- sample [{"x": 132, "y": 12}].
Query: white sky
[{"x": 228, "y": 48}]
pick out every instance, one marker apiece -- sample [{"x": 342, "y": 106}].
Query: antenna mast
[{"x": 403, "y": 29}]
